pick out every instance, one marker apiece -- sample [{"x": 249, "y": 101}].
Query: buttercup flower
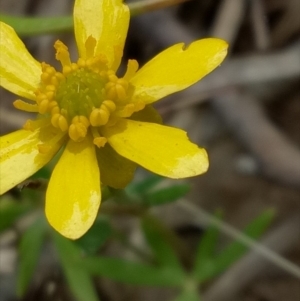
[{"x": 105, "y": 123}]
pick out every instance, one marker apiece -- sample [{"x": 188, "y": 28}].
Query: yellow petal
[
  {"x": 160, "y": 149},
  {"x": 73, "y": 195},
  {"x": 116, "y": 171},
  {"x": 20, "y": 157},
  {"x": 19, "y": 71},
  {"x": 177, "y": 68},
  {"x": 106, "y": 21}
]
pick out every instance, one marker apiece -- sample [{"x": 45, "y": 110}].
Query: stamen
[
  {"x": 116, "y": 89},
  {"x": 62, "y": 53},
  {"x": 81, "y": 119},
  {"x": 77, "y": 131},
  {"x": 78, "y": 128},
  {"x": 25, "y": 106},
  {"x": 132, "y": 67},
  {"x": 99, "y": 116},
  {"x": 110, "y": 105},
  {"x": 60, "y": 122},
  {"x": 43, "y": 106},
  {"x": 98, "y": 140}
]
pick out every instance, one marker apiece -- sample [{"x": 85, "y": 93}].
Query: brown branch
[{"x": 279, "y": 159}]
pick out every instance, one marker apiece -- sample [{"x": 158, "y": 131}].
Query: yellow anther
[
  {"x": 44, "y": 77},
  {"x": 50, "y": 70},
  {"x": 52, "y": 105},
  {"x": 123, "y": 83},
  {"x": 112, "y": 77},
  {"x": 59, "y": 76},
  {"x": 55, "y": 110},
  {"x": 54, "y": 81},
  {"x": 74, "y": 67},
  {"x": 132, "y": 67},
  {"x": 62, "y": 53},
  {"x": 40, "y": 97},
  {"x": 100, "y": 141},
  {"x": 109, "y": 104},
  {"x": 50, "y": 94},
  {"x": 99, "y": 117},
  {"x": 81, "y": 119},
  {"x": 81, "y": 62},
  {"x": 44, "y": 106},
  {"x": 25, "y": 106},
  {"x": 121, "y": 92},
  {"x": 54, "y": 119},
  {"x": 62, "y": 123},
  {"x": 77, "y": 131},
  {"x": 50, "y": 88},
  {"x": 67, "y": 70},
  {"x": 117, "y": 89},
  {"x": 110, "y": 89},
  {"x": 110, "y": 72}
]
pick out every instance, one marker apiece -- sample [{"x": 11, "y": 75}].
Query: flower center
[
  {"x": 80, "y": 92},
  {"x": 85, "y": 96}
]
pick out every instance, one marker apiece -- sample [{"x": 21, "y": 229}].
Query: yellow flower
[{"x": 105, "y": 123}]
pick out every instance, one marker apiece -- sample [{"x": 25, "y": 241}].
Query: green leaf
[
  {"x": 79, "y": 279},
  {"x": 142, "y": 187},
  {"x": 10, "y": 211},
  {"x": 204, "y": 263},
  {"x": 161, "y": 249},
  {"x": 97, "y": 235},
  {"x": 30, "y": 247},
  {"x": 237, "y": 249},
  {"x": 188, "y": 296},
  {"x": 131, "y": 272},
  {"x": 166, "y": 195}
]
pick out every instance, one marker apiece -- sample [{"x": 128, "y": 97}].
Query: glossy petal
[
  {"x": 160, "y": 149},
  {"x": 105, "y": 20},
  {"x": 19, "y": 71},
  {"x": 20, "y": 157},
  {"x": 177, "y": 68},
  {"x": 116, "y": 171},
  {"x": 73, "y": 195}
]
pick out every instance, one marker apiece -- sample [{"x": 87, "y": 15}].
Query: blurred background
[{"x": 246, "y": 114}]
